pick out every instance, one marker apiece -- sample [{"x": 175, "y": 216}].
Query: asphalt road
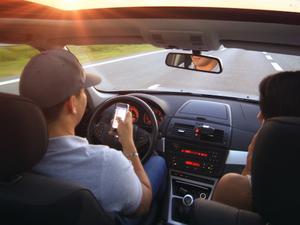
[{"x": 242, "y": 72}]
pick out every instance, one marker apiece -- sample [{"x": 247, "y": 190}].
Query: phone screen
[{"x": 121, "y": 110}]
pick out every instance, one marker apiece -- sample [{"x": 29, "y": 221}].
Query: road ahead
[{"x": 243, "y": 70}]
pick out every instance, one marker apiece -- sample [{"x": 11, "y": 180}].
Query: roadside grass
[{"x": 13, "y": 58}]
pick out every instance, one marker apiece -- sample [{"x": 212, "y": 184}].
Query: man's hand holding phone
[
  {"x": 123, "y": 123},
  {"x": 125, "y": 130},
  {"x": 120, "y": 112}
]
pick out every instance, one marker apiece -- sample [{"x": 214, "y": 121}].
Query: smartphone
[{"x": 120, "y": 111}]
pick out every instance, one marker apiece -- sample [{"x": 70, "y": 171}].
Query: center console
[
  {"x": 197, "y": 146},
  {"x": 183, "y": 185},
  {"x": 195, "y": 159},
  {"x": 194, "y": 172}
]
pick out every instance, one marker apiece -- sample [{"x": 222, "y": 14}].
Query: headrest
[
  {"x": 275, "y": 170},
  {"x": 23, "y": 135}
]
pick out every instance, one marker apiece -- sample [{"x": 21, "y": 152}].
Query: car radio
[{"x": 193, "y": 159}]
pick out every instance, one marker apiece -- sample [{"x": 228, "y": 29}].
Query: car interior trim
[
  {"x": 184, "y": 179},
  {"x": 267, "y": 16}
]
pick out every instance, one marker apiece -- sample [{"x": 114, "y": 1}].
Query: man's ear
[{"x": 71, "y": 105}]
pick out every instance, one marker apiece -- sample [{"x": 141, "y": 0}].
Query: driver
[
  {"x": 56, "y": 81},
  {"x": 202, "y": 63}
]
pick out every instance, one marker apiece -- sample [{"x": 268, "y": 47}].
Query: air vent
[
  {"x": 219, "y": 136},
  {"x": 216, "y": 137},
  {"x": 183, "y": 130}
]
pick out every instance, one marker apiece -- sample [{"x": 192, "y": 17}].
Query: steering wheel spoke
[{"x": 141, "y": 137}]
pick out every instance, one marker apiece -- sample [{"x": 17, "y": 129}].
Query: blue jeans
[{"x": 156, "y": 170}]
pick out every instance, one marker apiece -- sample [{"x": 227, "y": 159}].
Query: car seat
[
  {"x": 275, "y": 171},
  {"x": 275, "y": 188},
  {"x": 28, "y": 198}
]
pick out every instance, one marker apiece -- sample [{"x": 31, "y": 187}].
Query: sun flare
[{"x": 277, "y": 5}]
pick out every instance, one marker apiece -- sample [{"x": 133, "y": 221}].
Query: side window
[{"x": 13, "y": 58}]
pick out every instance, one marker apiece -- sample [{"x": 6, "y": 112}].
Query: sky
[{"x": 278, "y": 5}]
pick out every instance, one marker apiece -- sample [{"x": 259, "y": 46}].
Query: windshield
[
  {"x": 276, "y": 5},
  {"x": 142, "y": 67}
]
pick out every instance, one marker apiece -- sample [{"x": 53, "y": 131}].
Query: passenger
[
  {"x": 278, "y": 97},
  {"x": 55, "y": 80}
]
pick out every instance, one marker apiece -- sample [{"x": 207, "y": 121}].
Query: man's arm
[{"x": 125, "y": 132}]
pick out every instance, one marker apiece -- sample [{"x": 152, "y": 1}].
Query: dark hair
[
  {"x": 280, "y": 95},
  {"x": 52, "y": 113}
]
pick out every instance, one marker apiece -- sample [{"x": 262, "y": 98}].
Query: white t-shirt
[{"x": 103, "y": 170}]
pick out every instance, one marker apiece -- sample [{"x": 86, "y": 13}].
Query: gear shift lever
[
  {"x": 184, "y": 207},
  {"x": 188, "y": 200}
]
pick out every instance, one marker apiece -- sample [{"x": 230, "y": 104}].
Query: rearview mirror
[{"x": 194, "y": 62}]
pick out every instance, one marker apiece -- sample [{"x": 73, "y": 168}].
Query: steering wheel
[{"x": 99, "y": 129}]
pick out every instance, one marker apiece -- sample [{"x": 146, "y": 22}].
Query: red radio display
[
  {"x": 191, "y": 163},
  {"x": 191, "y": 152}
]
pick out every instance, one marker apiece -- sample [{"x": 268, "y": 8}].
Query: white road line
[
  {"x": 97, "y": 64},
  {"x": 269, "y": 57},
  {"x": 154, "y": 86},
  {"x": 9, "y": 81},
  {"x": 124, "y": 58},
  {"x": 276, "y": 66},
  {"x": 264, "y": 53}
]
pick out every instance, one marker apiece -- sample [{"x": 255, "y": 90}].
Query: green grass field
[{"x": 13, "y": 58}]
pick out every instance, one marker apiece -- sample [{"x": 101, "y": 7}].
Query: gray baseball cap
[{"x": 52, "y": 76}]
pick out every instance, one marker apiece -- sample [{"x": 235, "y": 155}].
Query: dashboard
[
  {"x": 240, "y": 115},
  {"x": 234, "y": 117},
  {"x": 201, "y": 138}
]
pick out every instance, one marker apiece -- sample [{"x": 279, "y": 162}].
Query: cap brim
[{"x": 91, "y": 80}]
